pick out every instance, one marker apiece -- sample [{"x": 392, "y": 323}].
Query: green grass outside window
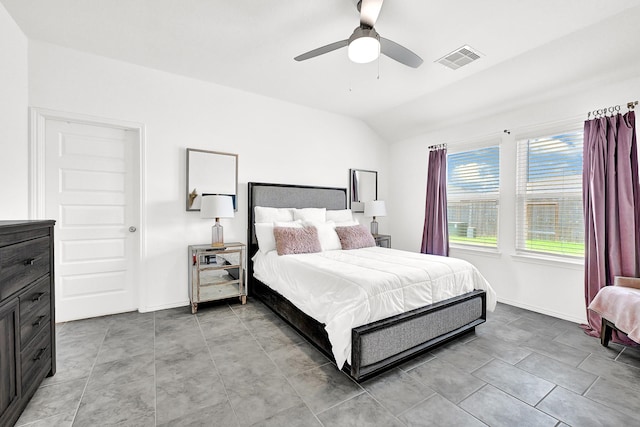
[{"x": 545, "y": 246}]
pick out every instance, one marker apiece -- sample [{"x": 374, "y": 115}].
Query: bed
[{"x": 377, "y": 345}]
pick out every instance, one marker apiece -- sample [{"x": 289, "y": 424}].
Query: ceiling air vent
[{"x": 459, "y": 57}]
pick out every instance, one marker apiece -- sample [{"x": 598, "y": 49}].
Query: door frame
[{"x": 37, "y": 139}]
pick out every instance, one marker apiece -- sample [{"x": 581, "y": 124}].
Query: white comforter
[{"x": 346, "y": 289}]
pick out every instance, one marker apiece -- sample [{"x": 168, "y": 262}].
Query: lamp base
[
  {"x": 374, "y": 226},
  {"x": 217, "y": 234}
]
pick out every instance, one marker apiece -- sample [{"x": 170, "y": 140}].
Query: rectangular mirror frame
[
  {"x": 358, "y": 205},
  {"x": 210, "y": 172}
]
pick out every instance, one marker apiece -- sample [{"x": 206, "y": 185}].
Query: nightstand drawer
[
  {"x": 215, "y": 292},
  {"x": 217, "y": 276},
  {"x": 22, "y": 263},
  {"x": 36, "y": 356},
  {"x": 35, "y": 309}
]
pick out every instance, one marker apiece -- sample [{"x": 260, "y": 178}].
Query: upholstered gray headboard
[
  {"x": 292, "y": 196},
  {"x": 287, "y": 196}
]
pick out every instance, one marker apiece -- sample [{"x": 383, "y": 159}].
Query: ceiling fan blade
[
  {"x": 400, "y": 53},
  {"x": 322, "y": 50},
  {"x": 369, "y": 11}
]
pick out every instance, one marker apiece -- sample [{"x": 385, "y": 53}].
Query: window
[
  {"x": 473, "y": 180},
  {"x": 549, "y": 195}
]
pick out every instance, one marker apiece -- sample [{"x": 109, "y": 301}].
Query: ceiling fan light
[{"x": 364, "y": 46}]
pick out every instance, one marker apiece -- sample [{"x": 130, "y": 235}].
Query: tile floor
[{"x": 236, "y": 365}]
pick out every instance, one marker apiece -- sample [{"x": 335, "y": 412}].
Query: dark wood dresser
[{"x": 27, "y": 323}]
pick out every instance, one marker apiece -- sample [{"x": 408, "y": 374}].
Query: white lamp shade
[
  {"x": 216, "y": 207},
  {"x": 375, "y": 208}
]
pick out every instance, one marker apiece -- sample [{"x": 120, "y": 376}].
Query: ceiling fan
[{"x": 365, "y": 44}]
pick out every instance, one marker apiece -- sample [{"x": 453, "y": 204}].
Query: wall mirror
[
  {"x": 363, "y": 187},
  {"x": 210, "y": 172}
]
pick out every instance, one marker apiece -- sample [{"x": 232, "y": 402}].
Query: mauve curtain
[
  {"x": 435, "y": 236},
  {"x": 611, "y": 192}
]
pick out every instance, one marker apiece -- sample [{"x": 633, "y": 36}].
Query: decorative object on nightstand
[
  {"x": 216, "y": 206},
  {"x": 375, "y": 208},
  {"x": 382, "y": 240},
  {"x": 216, "y": 273}
]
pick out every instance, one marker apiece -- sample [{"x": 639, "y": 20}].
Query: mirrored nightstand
[
  {"x": 382, "y": 240},
  {"x": 216, "y": 273}
]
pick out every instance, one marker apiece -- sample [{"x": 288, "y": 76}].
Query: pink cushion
[
  {"x": 296, "y": 240},
  {"x": 355, "y": 237},
  {"x": 621, "y": 306}
]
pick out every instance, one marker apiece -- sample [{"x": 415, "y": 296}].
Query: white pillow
[
  {"x": 341, "y": 215},
  {"x": 264, "y": 234},
  {"x": 347, "y": 223},
  {"x": 292, "y": 224},
  {"x": 329, "y": 240},
  {"x": 265, "y": 214},
  {"x": 310, "y": 214}
]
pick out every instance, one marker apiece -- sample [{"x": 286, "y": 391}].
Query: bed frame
[{"x": 376, "y": 346}]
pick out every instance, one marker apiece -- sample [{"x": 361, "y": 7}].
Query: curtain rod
[
  {"x": 610, "y": 110},
  {"x": 437, "y": 147}
]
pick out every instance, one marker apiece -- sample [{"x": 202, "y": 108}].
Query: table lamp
[
  {"x": 375, "y": 208},
  {"x": 216, "y": 206}
]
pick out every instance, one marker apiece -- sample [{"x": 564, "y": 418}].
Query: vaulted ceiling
[{"x": 530, "y": 49}]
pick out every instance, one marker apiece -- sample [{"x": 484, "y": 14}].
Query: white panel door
[{"x": 91, "y": 191}]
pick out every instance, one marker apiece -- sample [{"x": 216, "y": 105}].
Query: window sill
[
  {"x": 476, "y": 250},
  {"x": 572, "y": 263}
]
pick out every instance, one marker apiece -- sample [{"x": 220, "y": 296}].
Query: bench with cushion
[{"x": 619, "y": 307}]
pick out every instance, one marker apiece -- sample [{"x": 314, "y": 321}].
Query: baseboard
[
  {"x": 61, "y": 319},
  {"x": 563, "y": 316},
  {"x": 140, "y": 309},
  {"x": 151, "y": 308}
]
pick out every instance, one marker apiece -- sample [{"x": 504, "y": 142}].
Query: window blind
[
  {"x": 549, "y": 194},
  {"x": 473, "y": 184}
]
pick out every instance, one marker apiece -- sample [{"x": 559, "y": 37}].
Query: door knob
[{"x": 132, "y": 229}]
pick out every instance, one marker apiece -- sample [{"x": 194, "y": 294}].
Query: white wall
[
  {"x": 276, "y": 142},
  {"x": 14, "y": 95},
  {"x": 548, "y": 287}
]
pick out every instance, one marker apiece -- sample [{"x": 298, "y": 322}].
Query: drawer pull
[
  {"x": 37, "y": 297},
  {"x": 40, "y": 353},
  {"x": 38, "y": 321},
  {"x": 29, "y": 261}
]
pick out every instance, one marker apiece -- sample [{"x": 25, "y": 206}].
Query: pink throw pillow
[
  {"x": 296, "y": 240},
  {"x": 355, "y": 237}
]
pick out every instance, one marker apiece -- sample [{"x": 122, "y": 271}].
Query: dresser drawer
[
  {"x": 13, "y": 237},
  {"x": 22, "y": 263},
  {"x": 36, "y": 356},
  {"x": 35, "y": 309}
]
